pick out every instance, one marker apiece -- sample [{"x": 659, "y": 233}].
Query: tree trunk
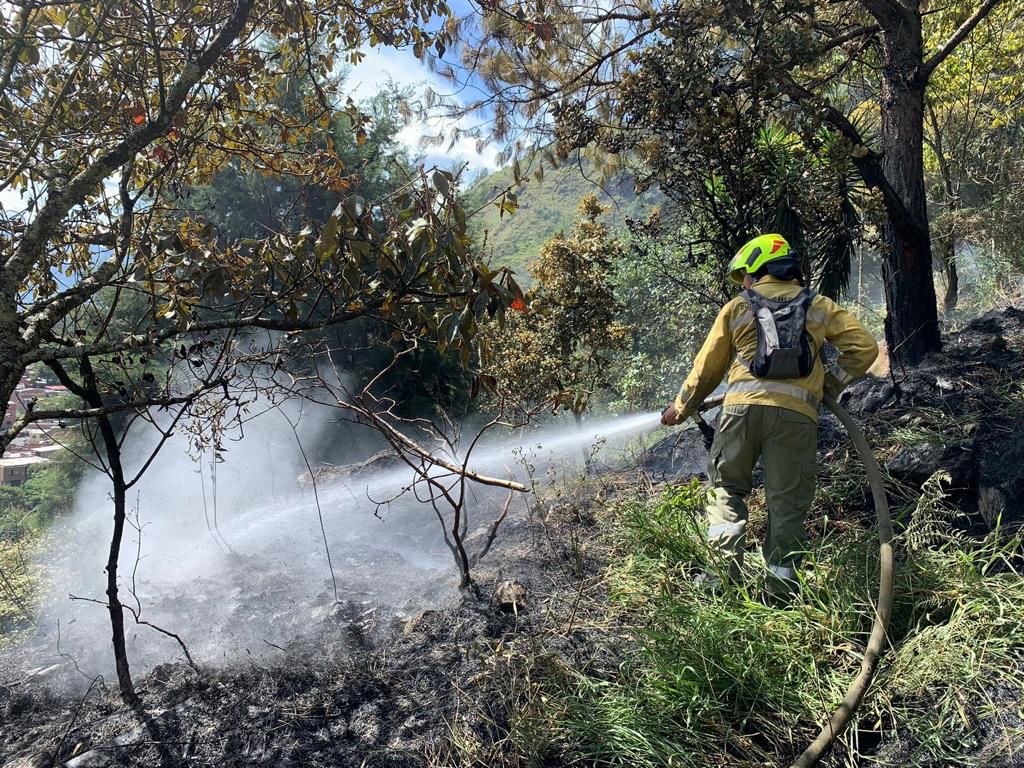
[
  {"x": 587, "y": 458},
  {"x": 461, "y": 556},
  {"x": 116, "y": 610},
  {"x": 89, "y": 391},
  {"x": 10, "y": 350},
  {"x": 912, "y": 323}
]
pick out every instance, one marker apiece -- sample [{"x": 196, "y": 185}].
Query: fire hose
[{"x": 883, "y": 608}]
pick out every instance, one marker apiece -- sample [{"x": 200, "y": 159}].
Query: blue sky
[
  {"x": 401, "y": 67},
  {"x": 404, "y": 69}
]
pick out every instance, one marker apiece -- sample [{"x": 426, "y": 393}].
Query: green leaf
[
  {"x": 327, "y": 245},
  {"x": 356, "y": 206}
]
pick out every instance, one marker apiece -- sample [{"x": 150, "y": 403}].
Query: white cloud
[
  {"x": 381, "y": 65},
  {"x": 12, "y": 204},
  {"x": 384, "y": 65},
  {"x": 463, "y": 151}
]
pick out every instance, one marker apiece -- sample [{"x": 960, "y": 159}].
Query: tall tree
[
  {"x": 566, "y": 65},
  {"x": 974, "y": 112},
  {"x": 559, "y": 349},
  {"x": 109, "y": 110}
]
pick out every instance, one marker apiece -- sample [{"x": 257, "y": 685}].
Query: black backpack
[{"x": 783, "y": 344}]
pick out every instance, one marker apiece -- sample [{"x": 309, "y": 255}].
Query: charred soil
[{"x": 448, "y": 686}]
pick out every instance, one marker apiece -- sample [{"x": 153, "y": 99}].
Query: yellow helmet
[{"x": 755, "y": 254}]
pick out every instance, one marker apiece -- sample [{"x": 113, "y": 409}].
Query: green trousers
[{"x": 786, "y": 442}]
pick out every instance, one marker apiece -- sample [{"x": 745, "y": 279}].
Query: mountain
[{"x": 546, "y": 207}]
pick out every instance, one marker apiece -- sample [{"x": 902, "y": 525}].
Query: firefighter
[{"x": 768, "y": 340}]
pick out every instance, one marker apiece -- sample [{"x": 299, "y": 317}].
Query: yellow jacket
[{"x": 733, "y": 335}]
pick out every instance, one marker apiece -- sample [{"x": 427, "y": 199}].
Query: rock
[
  {"x": 867, "y": 396},
  {"x": 1002, "y": 505},
  {"x": 914, "y": 464},
  {"x": 379, "y": 461},
  {"x": 417, "y": 622},
  {"x": 1001, "y": 477},
  {"x": 510, "y": 597},
  {"x": 38, "y": 760},
  {"x": 681, "y": 454}
]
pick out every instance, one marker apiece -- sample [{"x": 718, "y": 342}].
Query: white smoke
[{"x": 230, "y": 553}]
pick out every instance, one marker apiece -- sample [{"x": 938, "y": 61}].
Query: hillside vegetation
[
  {"x": 339, "y": 487},
  {"x": 547, "y": 206}
]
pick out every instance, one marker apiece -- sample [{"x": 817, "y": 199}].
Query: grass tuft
[{"x": 715, "y": 679}]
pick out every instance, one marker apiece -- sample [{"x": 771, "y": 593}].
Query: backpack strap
[
  {"x": 756, "y": 300},
  {"x": 762, "y": 307}
]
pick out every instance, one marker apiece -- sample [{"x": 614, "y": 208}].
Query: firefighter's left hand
[{"x": 670, "y": 416}]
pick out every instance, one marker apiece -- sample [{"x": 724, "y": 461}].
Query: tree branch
[
  {"x": 958, "y": 37},
  {"x": 18, "y": 46},
  {"x": 848, "y": 37},
  {"x": 60, "y": 202},
  {"x": 867, "y": 161},
  {"x": 889, "y": 13},
  {"x": 42, "y": 316},
  {"x": 30, "y": 416},
  {"x": 225, "y": 324},
  {"x": 415, "y": 448}
]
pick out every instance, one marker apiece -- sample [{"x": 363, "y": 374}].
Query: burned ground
[
  {"x": 358, "y": 689},
  {"x": 442, "y": 687}
]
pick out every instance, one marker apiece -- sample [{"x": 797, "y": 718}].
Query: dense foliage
[
  {"x": 560, "y": 347},
  {"x": 650, "y": 82},
  {"x": 112, "y": 111}
]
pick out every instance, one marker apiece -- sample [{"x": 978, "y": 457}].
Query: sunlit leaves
[
  {"x": 974, "y": 112},
  {"x": 559, "y": 342},
  {"x": 132, "y": 96}
]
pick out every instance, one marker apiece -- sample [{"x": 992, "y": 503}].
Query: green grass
[{"x": 725, "y": 680}]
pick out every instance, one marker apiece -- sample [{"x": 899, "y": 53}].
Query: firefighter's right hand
[{"x": 670, "y": 416}]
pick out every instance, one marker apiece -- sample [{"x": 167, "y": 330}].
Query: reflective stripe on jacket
[{"x": 733, "y": 339}]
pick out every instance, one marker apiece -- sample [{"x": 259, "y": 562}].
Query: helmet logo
[{"x": 776, "y": 244}]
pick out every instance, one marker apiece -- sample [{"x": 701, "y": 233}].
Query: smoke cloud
[{"x": 229, "y": 552}]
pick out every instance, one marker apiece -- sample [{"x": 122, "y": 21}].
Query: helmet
[{"x": 755, "y": 254}]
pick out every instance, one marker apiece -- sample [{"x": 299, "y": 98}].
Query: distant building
[
  {"x": 46, "y": 451},
  {"x": 26, "y": 391},
  {"x": 11, "y": 414},
  {"x": 14, "y": 470}
]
